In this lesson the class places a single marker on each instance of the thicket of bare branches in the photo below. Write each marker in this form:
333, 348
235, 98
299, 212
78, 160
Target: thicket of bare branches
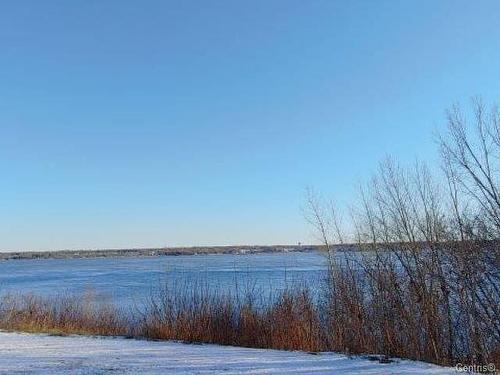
428, 285
288, 320
191, 313
62, 314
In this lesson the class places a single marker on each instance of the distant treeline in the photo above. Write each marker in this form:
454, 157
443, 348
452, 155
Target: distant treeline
70, 254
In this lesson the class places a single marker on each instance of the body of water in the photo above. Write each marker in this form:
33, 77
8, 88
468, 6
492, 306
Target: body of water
131, 280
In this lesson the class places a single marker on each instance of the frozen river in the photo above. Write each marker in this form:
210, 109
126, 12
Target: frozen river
128, 280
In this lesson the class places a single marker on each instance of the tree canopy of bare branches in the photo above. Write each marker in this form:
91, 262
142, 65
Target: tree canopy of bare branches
425, 284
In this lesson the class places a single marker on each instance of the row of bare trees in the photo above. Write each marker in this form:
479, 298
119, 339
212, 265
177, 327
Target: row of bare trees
427, 284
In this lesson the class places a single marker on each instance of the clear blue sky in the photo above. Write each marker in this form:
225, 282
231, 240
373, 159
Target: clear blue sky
153, 123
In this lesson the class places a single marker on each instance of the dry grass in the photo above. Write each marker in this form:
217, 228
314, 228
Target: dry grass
190, 314
287, 321
62, 314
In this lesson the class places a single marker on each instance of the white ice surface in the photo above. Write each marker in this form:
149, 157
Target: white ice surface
22, 353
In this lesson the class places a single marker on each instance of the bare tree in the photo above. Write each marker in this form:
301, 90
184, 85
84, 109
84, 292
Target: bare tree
471, 155
425, 283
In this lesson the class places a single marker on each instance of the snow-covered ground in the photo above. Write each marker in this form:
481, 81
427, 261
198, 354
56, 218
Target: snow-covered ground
22, 353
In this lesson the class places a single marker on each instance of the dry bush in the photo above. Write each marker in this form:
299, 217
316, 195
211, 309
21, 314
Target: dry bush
200, 314
61, 314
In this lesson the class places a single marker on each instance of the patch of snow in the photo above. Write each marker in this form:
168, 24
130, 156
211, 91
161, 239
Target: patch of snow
22, 353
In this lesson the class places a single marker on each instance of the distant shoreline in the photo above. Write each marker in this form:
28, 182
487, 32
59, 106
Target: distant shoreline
150, 252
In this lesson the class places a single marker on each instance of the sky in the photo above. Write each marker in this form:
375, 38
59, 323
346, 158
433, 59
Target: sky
181, 123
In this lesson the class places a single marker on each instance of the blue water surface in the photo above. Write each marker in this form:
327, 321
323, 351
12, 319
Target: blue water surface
131, 280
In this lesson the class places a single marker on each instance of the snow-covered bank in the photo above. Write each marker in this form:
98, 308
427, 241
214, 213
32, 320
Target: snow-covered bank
22, 353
